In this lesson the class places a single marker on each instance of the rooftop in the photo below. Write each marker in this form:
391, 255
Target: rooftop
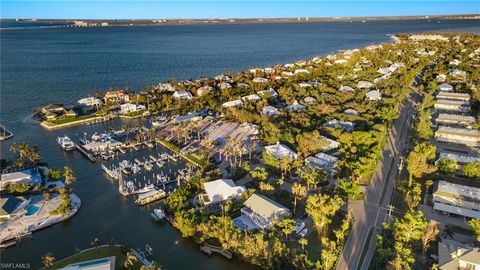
263, 206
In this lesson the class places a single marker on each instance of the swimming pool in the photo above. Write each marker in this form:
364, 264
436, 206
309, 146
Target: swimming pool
31, 210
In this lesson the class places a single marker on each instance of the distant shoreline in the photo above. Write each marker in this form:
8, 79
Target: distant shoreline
158, 22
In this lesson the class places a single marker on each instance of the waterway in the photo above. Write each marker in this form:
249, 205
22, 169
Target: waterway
61, 65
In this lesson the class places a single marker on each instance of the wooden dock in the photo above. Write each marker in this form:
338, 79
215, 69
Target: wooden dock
209, 249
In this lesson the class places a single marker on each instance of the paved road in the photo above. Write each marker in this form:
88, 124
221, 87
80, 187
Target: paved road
372, 211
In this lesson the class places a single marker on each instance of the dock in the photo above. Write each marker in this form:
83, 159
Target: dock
85, 152
142, 257
5, 134
209, 249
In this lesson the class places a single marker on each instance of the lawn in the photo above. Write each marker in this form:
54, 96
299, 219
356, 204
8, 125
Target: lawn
69, 119
92, 254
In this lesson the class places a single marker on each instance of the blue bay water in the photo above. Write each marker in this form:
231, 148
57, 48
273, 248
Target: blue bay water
61, 65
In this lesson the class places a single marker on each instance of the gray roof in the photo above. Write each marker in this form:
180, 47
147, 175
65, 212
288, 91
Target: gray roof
264, 206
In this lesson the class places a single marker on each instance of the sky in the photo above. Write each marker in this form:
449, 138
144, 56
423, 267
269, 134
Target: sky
163, 9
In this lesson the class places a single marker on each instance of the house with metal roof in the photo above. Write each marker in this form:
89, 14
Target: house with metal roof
233, 103
469, 137
452, 105
455, 120
364, 85
220, 190
453, 255
280, 151
453, 95
457, 199
323, 161
445, 87
262, 212
29, 177
460, 159
269, 111
179, 95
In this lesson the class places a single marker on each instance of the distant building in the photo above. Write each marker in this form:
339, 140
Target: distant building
130, 107
269, 111
458, 73
190, 117
55, 109
260, 80
323, 161
469, 137
234, 103
116, 96
295, 107
90, 102
263, 212
351, 112
182, 95
364, 85
346, 88
460, 159
301, 71
345, 125
204, 90
224, 85
374, 95
457, 199
453, 255
280, 151
453, 96
328, 144
165, 87
220, 190
252, 97
455, 120
269, 93
445, 87
452, 105
13, 206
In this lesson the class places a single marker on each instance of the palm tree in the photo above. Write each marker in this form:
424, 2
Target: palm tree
448, 232
69, 175
298, 191
303, 242
95, 242
130, 260
48, 259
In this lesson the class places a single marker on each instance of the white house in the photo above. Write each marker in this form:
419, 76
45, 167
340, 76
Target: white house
280, 151
301, 71
460, 159
346, 88
445, 87
269, 93
374, 95
441, 77
351, 112
288, 73
364, 85
259, 80
261, 212
130, 107
90, 102
328, 144
304, 85
221, 190
453, 255
457, 199
179, 95
29, 177
165, 87
295, 107
233, 103
341, 61
269, 111
224, 85
252, 97
204, 90
455, 119
458, 73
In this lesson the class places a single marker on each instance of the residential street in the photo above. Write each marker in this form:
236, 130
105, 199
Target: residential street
372, 211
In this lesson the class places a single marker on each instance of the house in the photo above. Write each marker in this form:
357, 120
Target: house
243, 85
345, 125
452, 105
70, 113
310, 100
305, 85
374, 95
455, 120
130, 108
288, 73
460, 159
469, 137
222, 77
280, 151
90, 102
441, 77
190, 117
165, 87
269, 111
445, 87
261, 212
220, 190
252, 97
458, 73
301, 71
341, 61
54, 109
204, 90
346, 88
453, 255
13, 206
224, 86
233, 103
29, 177
455, 62
453, 96
364, 85
328, 144
107, 263
351, 112
269, 70
181, 95
323, 161
295, 107
259, 80
457, 199
269, 93
116, 96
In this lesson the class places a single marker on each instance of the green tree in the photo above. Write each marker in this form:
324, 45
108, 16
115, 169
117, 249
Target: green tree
475, 224
349, 188
447, 166
259, 173
418, 160
424, 125
410, 228
472, 170
69, 175
298, 191
313, 176
322, 208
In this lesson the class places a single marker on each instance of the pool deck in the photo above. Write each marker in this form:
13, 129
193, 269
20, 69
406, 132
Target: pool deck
26, 224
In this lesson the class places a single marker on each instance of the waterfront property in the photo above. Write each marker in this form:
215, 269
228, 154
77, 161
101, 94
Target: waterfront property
107, 263
117, 96
13, 207
457, 199
220, 190
260, 212
28, 176
131, 108
180, 95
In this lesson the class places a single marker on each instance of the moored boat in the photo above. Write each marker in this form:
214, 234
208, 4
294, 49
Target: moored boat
150, 197
66, 143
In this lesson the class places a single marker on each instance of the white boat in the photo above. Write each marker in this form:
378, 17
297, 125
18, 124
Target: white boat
148, 166
151, 196
158, 214
66, 143
113, 173
145, 189
159, 121
139, 162
136, 169
149, 145
153, 158
160, 163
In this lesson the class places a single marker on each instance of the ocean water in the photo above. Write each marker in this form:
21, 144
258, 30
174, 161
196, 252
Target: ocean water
61, 65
